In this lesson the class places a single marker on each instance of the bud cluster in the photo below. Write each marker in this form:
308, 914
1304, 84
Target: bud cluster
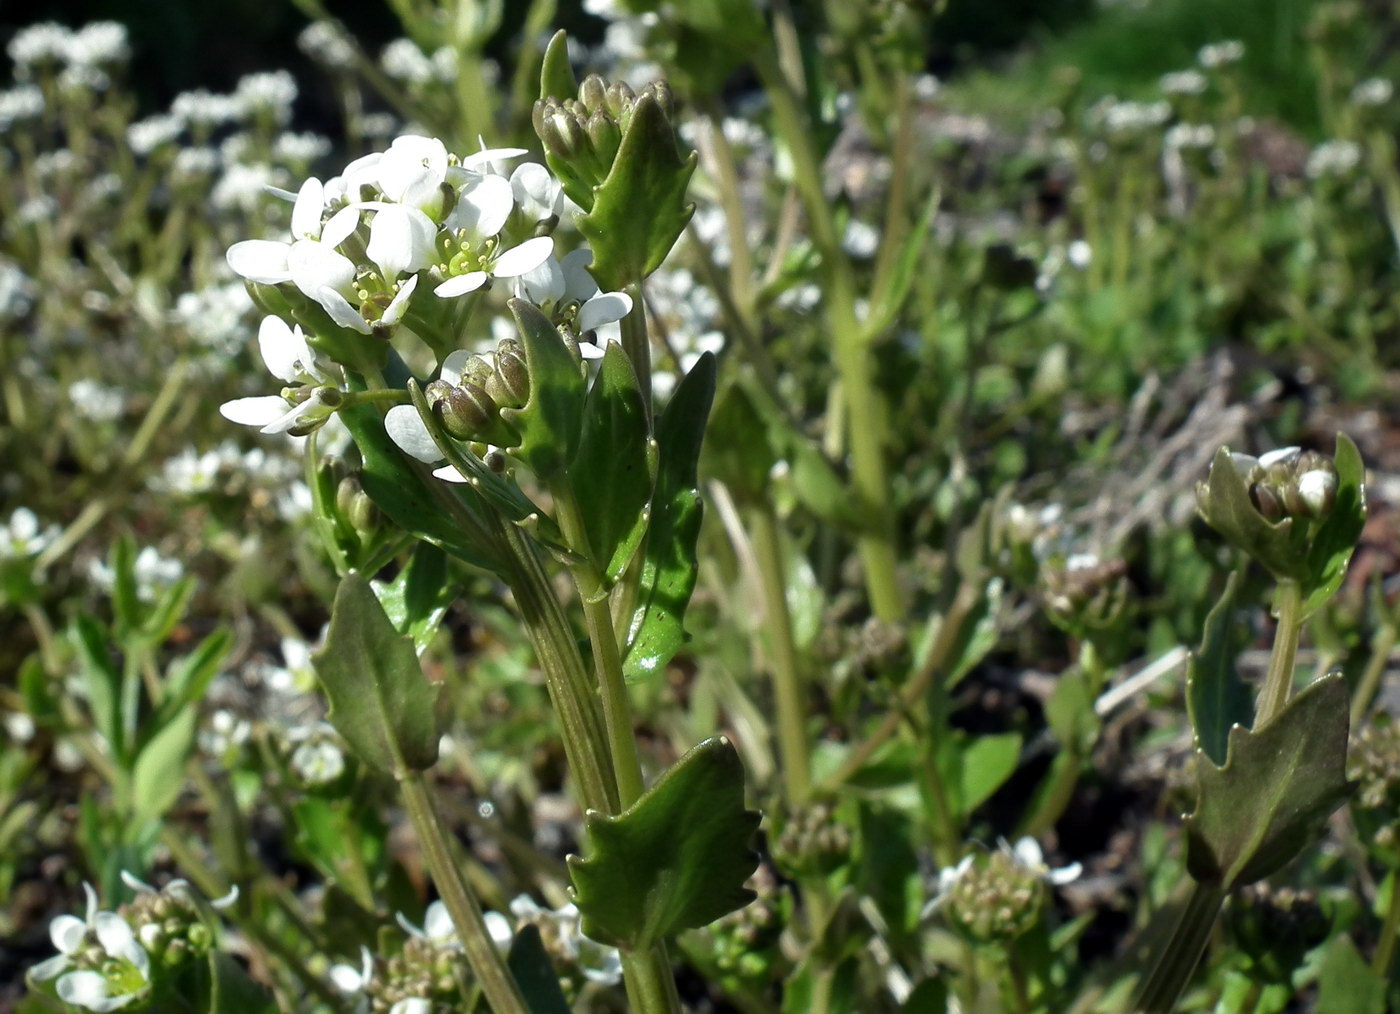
745, 940
994, 898
1085, 593
470, 408
1289, 483
169, 927
586, 132
1374, 761
422, 971
813, 841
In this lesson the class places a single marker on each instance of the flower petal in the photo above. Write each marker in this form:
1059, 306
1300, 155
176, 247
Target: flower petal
84, 989
67, 933
1065, 874
281, 351
401, 240
520, 259
603, 309
437, 923
227, 901
253, 411
315, 266
306, 213
461, 284
340, 225
405, 428
340, 310
449, 473
451, 370
488, 155
482, 208
260, 260
398, 306
578, 283
500, 929
412, 1005
119, 940
50, 968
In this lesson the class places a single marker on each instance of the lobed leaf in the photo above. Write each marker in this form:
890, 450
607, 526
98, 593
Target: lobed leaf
1216, 697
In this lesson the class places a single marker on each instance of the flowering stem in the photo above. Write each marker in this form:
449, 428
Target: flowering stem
1278, 682
1183, 951
787, 680
651, 988
852, 353
607, 659
487, 963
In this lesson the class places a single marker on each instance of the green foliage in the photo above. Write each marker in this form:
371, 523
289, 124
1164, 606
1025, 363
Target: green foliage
669, 563
1278, 786
1216, 697
675, 859
550, 423
615, 467
380, 701
639, 210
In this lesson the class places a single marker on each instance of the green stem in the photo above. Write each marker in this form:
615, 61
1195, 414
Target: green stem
788, 689
571, 692
651, 988
607, 659
865, 412
1365, 692
1183, 951
487, 963
635, 341
1278, 682
1385, 949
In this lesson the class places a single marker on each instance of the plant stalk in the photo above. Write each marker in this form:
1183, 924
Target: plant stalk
487, 963
1385, 948
1183, 951
1278, 681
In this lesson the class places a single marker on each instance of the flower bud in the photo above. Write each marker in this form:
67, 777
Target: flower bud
514, 374
592, 93
995, 899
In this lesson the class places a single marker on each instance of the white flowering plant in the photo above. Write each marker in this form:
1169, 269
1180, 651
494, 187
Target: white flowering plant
647, 525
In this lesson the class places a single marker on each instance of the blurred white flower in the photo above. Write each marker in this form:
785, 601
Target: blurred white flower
96, 402
1219, 54
437, 926
25, 102
1374, 91
317, 758
42, 44
327, 44
205, 110
23, 537
1333, 158
1182, 82
145, 136
98, 43
126, 969
152, 573
269, 92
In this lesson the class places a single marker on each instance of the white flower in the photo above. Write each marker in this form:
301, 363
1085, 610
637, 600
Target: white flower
349, 979
404, 60
126, 975
1374, 91
272, 92
406, 429
437, 926
23, 537
1317, 487
1183, 82
1219, 54
598, 962
538, 195
43, 43
97, 43
179, 887
25, 102
205, 109
317, 758
555, 283
412, 1005
1028, 855
289, 358
327, 44
145, 136
1333, 158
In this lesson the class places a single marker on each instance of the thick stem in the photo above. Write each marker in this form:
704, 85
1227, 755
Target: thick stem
487, 963
788, 690
607, 659
1278, 682
1183, 952
651, 988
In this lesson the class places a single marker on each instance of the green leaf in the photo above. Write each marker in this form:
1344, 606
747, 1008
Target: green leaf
1346, 984
1216, 697
168, 610
557, 79
615, 466
639, 210
1277, 788
1070, 711
418, 597
987, 762
668, 575
400, 489
231, 991
380, 701
737, 452
675, 859
191, 675
158, 775
126, 604
1335, 538
533, 971
551, 420
101, 679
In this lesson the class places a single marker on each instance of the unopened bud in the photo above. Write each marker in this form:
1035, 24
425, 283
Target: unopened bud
606, 137
468, 411
1267, 502
592, 93
514, 374
619, 98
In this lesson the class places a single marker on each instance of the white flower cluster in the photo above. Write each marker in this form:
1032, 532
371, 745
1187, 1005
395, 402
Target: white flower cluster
1220, 54
153, 573
24, 537
84, 56
1333, 158
363, 241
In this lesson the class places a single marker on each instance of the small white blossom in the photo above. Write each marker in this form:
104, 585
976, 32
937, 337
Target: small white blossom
316, 757
325, 43
1219, 54
437, 926
403, 60
1374, 91
145, 136
25, 102
270, 92
206, 110
1333, 158
1182, 82
42, 44
152, 573
98, 43
23, 536
96, 402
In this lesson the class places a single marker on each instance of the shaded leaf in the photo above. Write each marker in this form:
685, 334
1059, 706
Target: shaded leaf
232, 991
987, 762
1346, 984
380, 701
1216, 697
615, 465
676, 859
668, 575
101, 680
533, 971
191, 675
551, 420
639, 209
418, 597
1278, 786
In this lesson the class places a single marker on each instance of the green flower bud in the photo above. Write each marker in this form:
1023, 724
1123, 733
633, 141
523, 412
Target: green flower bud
513, 373
995, 899
592, 94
